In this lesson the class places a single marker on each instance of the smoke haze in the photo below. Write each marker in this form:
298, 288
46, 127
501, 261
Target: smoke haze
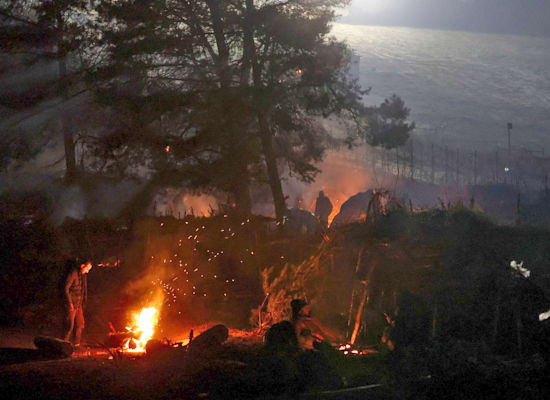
496, 16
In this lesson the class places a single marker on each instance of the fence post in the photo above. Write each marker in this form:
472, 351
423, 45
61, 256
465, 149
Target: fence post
475, 167
457, 166
496, 166
397, 159
446, 163
433, 166
518, 218
412, 160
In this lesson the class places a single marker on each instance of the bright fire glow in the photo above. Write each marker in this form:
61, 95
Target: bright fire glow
143, 328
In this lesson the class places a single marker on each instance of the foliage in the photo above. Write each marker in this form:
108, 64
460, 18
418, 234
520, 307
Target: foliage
28, 269
45, 43
236, 90
211, 95
281, 286
439, 275
387, 123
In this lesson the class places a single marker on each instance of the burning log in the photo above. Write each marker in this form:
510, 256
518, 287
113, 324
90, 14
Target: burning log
120, 339
137, 335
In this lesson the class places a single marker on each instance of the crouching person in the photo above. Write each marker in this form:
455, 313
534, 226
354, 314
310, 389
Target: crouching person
318, 362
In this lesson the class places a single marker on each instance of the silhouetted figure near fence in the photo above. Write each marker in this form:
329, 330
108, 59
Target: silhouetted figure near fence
323, 208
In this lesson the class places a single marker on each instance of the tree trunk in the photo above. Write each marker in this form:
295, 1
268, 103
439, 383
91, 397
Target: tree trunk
364, 299
350, 313
68, 140
359, 314
272, 171
70, 156
241, 193
432, 176
222, 62
354, 292
412, 159
241, 181
263, 123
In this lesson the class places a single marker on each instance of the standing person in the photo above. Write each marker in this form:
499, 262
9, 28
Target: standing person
75, 297
323, 208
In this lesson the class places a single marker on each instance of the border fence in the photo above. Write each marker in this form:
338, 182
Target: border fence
445, 165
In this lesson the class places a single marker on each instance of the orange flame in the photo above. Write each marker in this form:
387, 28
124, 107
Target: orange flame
143, 328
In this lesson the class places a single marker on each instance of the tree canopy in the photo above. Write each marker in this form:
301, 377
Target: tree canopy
211, 95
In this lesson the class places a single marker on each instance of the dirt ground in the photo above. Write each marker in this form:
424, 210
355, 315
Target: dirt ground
238, 369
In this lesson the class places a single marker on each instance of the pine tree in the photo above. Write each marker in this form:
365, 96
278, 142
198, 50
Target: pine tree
221, 95
47, 33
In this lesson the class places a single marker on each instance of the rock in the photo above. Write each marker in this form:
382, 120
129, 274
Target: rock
209, 340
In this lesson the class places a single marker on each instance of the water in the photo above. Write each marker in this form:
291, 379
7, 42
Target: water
462, 87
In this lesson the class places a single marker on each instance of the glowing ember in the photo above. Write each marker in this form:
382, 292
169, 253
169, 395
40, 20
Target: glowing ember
143, 328
348, 349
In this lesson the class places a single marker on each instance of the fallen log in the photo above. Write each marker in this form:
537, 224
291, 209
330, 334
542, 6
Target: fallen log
53, 347
207, 343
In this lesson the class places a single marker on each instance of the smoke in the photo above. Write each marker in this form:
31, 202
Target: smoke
99, 200
343, 174
179, 203
22, 78
69, 204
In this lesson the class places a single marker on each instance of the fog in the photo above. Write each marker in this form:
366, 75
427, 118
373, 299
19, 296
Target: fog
496, 16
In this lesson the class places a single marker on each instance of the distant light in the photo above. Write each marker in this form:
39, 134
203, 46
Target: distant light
506, 169
299, 71
167, 149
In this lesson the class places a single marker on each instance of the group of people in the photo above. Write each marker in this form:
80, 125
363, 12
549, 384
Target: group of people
304, 330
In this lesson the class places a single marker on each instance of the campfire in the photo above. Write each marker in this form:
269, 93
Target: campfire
141, 331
